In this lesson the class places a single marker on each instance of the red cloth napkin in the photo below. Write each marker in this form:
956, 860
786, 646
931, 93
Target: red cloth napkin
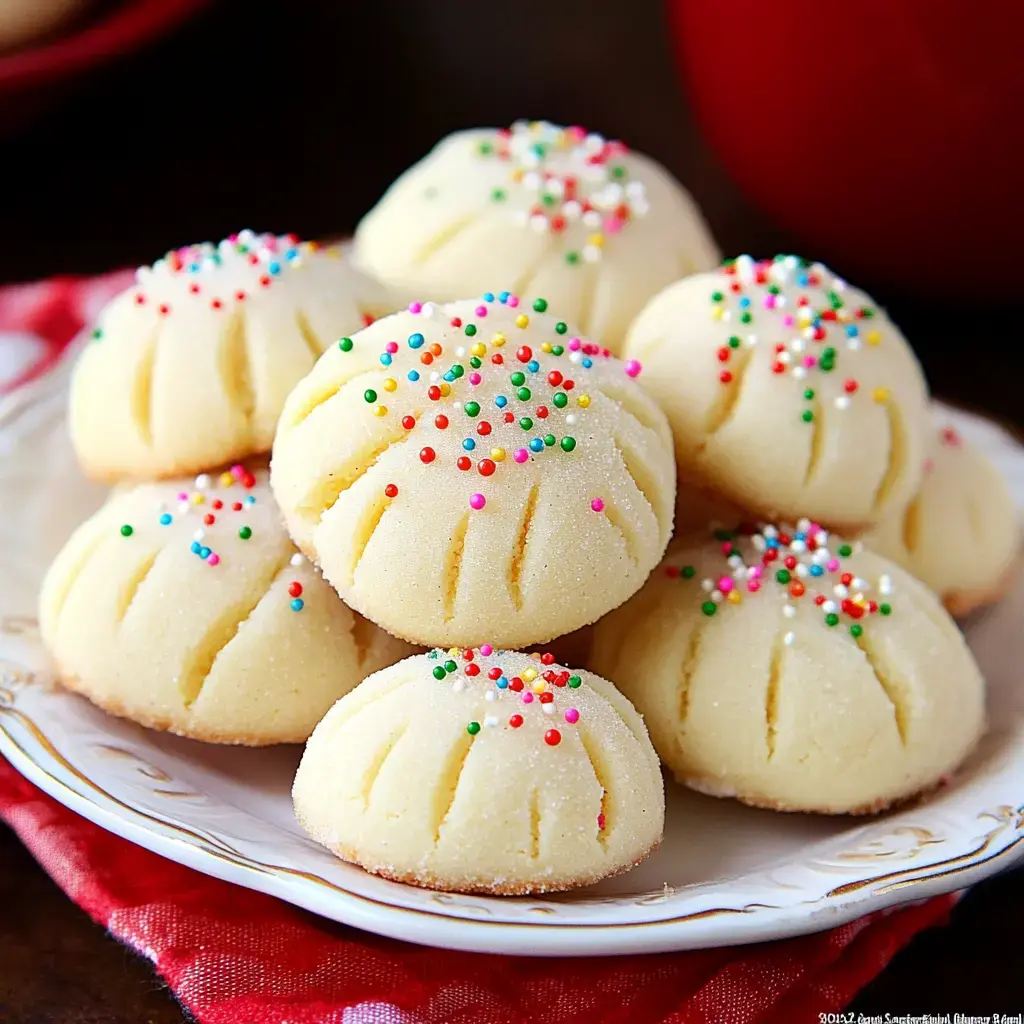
236, 957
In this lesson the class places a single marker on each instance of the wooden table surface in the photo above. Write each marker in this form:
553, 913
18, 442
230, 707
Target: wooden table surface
250, 120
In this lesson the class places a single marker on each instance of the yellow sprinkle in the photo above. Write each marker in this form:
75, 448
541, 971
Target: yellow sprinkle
545, 347
873, 337
539, 687
522, 320
717, 313
583, 401
498, 340
380, 410
446, 388
478, 349
453, 652
198, 499
226, 479
535, 655
517, 175
880, 394
390, 383
498, 454
597, 240
312, 246
734, 597
529, 674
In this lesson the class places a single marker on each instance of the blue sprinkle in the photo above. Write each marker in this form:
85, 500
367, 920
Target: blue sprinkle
852, 331
816, 570
488, 296
291, 254
298, 604
587, 363
771, 542
449, 376
501, 401
802, 280
385, 358
413, 375
249, 499
533, 366
537, 444
501, 683
503, 296
165, 519
195, 547
204, 552
416, 340
469, 444
274, 267
799, 536
744, 302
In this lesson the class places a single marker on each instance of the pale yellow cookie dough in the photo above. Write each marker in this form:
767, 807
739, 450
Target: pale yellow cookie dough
190, 367
789, 392
483, 771
542, 210
519, 487
959, 533
218, 630
753, 689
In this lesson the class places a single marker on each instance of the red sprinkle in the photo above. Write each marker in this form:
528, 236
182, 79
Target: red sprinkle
515, 721
391, 491
483, 429
494, 673
472, 670
295, 589
524, 354
486, 467
427, 455
441, 421
464, 462
552, 737
408, 422
547, 697
515, 683
547, 658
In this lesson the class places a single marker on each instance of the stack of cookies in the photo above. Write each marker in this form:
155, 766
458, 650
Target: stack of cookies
479, 476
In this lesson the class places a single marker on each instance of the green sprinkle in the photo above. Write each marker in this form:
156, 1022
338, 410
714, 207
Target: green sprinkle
834, 301
524, 394
472, 408
549, 439
856, 630
724, 535
560, 328
450, 666
126, 530
734, 342
458, 370
618, 171
473, 728
807, 416
548, 200
572, 258
97, 334
498, 195
526, 423
745, 318
438, 671
568, 443
560, 399
540, 305
345, 344
867, 312
518, 378
245, 532
470, 330
574, 682
688, 572
709, 608
885, 609
433, 654
557, 350
475, 362
370, 395
831, 619
782, 576
809, 394
485, 149
845, 550
773, 289
717, 296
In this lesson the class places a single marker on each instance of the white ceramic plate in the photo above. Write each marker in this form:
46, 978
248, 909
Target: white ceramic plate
725, 874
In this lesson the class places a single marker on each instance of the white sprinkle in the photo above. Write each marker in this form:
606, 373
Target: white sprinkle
489, 696
853, 344
758, 542
428, 309
843, 402
183, 507
841, 591
571, 419
859, 584
591, 253
799, 372
829, 607
770, 531
789, 611
798, 547
199, 534
789, 638
457, 405
802, 571
548, 709
592, 219
491, 721
572, 209
884, 584
750, 341
575, 357
803, 524
798, 345
202, 481
435, 377
460, 351
717, 596
297, 559
707, 585
459, 685
736, 561
539, 223
521, 217
532, 181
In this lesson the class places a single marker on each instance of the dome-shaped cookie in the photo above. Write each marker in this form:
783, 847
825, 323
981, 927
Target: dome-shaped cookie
476, 471
795, 671
183, 605
190, 367
567, 214
959, 533
789, 393
483, 771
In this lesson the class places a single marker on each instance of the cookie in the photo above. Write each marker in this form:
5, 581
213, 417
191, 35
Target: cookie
183, 605
483, 771
190, 367
474, 471
564, 213
788, 391
795, 671
959, 533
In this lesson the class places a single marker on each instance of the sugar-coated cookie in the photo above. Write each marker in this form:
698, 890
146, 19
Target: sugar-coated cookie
789, 393
183, 605
959, 534
483, 771
795, 671
561, 212
475, 471
190, 367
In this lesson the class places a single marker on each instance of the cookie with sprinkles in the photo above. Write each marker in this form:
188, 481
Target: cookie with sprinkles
793, 670
190, 366
480, 770
959, 533
583, 220
789, 392
476, 470
183, 605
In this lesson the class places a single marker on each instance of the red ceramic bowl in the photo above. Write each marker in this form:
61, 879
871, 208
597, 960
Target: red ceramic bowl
883, 134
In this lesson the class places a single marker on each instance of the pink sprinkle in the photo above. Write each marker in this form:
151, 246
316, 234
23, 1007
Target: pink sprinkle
600, 823
597, 505
521, 455
486, 650
808, 361
182, 496
572, 716
415, 307
727, 548
477, 501
769, 302
757, 571
481, 311
788, 321
753, 585
527, 697
475, 378
214, 558
725, 584
238, 471
832, 564
613, 225
513, 301
929, 465
575, 345
633, 368
392, 347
